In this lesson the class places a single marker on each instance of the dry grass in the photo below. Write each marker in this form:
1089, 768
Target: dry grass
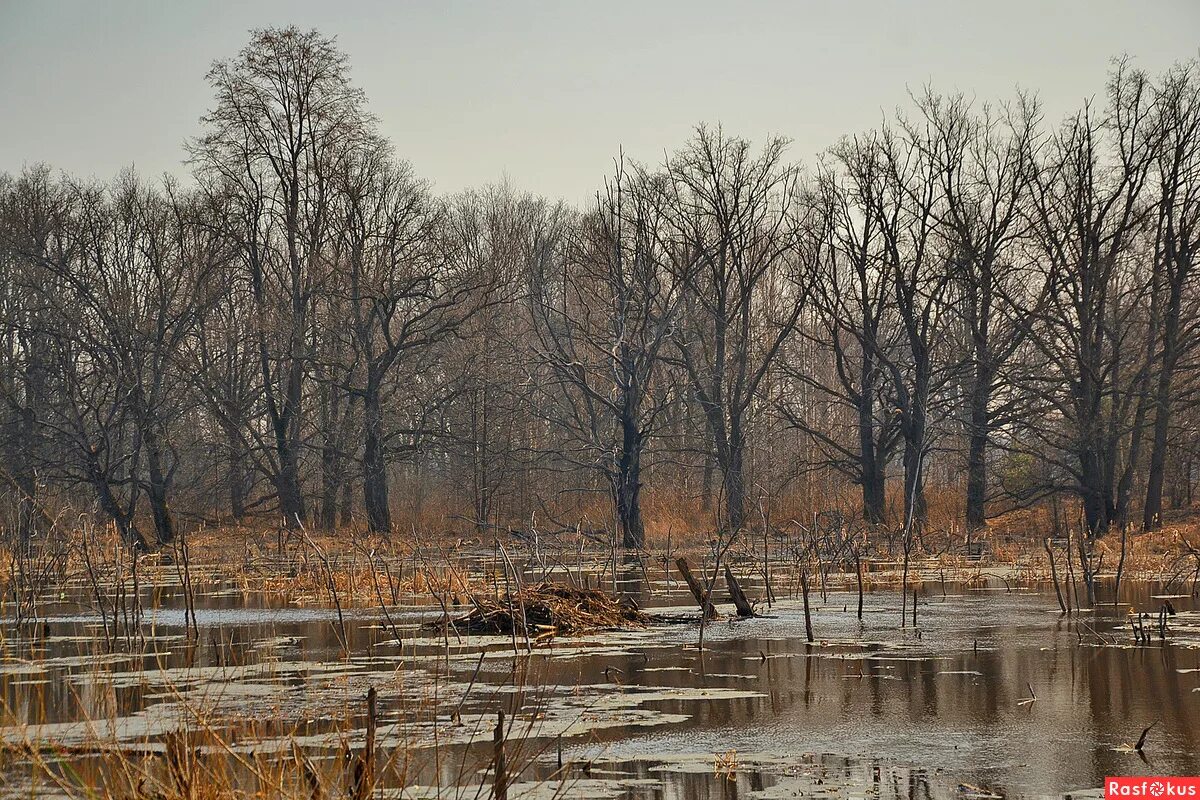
209, 756
446, 565
357, 582
1157, 554
449, 561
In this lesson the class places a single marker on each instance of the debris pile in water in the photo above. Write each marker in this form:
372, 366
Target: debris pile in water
547, 610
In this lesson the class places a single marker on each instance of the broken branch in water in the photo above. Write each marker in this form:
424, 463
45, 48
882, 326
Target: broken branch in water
744, 609
1141, 742
702, 599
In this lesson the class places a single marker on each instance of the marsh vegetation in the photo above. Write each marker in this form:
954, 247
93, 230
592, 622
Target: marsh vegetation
305, 671
865, 478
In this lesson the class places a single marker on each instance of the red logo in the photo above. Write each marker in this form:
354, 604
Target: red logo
1153, 788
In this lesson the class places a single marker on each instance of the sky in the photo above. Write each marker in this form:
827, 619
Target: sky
545, 95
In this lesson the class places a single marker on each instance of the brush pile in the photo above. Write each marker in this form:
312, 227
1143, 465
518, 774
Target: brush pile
547, 610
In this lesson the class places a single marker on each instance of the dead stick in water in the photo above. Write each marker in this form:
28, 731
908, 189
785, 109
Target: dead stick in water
744, 609
457, 715
807, 613
343, 635
315, 790
858, 569
706, 606
1120, 568
1141, 742
379, 595
1054, 574
500, 786
365, 778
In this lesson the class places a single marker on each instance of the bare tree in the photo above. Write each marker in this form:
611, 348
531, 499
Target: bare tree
117, 306
602, 317
285, 120
495, 429
1176, 242
730, 232
849, 327
1088, 212
35, 230
983, 163
223, 367
413, 281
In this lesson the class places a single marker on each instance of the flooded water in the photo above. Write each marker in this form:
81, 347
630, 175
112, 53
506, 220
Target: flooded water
994, 692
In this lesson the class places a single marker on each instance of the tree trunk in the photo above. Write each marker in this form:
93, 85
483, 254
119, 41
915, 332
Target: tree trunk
1152, 511
744, 608
123, 519
156, 492
31, 518
285, 419
706, 481
237, 476
27, 516
873, 486
697, 589
239, 485
287, 479
331, 481
347, 502
1095, 508
375, 484
915, 510
24, 478
291, 498
977, 451
481, 488
734, 483
873, 495
287, 487
628, 486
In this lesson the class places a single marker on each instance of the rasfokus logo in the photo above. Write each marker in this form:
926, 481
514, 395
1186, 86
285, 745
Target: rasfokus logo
1152, 787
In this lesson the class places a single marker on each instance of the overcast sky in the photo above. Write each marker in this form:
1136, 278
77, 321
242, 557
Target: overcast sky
547, 93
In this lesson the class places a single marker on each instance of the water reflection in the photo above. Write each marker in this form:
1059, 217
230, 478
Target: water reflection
993, 689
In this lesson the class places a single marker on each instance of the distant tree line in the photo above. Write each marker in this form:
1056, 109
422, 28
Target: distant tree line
967, 299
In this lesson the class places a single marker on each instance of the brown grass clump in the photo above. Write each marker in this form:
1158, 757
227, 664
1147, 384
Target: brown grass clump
450, 579
1175, 548
549, 609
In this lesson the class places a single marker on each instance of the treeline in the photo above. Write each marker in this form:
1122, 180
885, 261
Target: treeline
968, 297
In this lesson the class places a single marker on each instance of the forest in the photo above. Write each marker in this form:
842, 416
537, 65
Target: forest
968, 309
